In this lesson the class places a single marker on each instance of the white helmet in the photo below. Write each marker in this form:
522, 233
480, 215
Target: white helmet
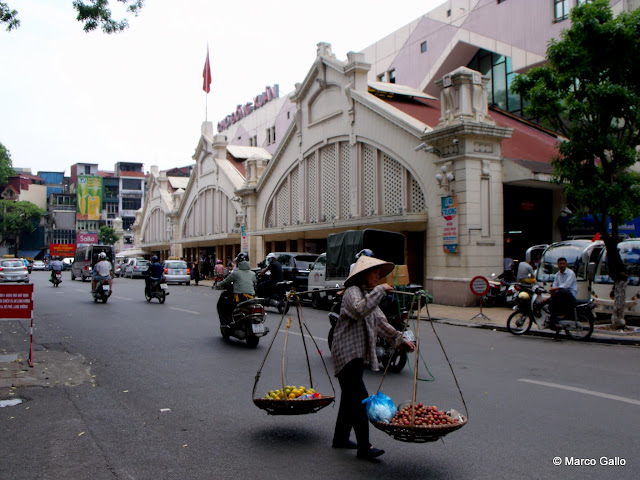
271, 257
102, 255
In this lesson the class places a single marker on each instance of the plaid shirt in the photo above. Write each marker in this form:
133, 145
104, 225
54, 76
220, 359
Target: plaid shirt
360, 321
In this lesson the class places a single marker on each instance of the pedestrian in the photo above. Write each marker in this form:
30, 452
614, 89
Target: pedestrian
354, 344
196, 272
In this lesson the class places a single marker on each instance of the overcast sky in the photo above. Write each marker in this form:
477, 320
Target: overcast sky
69, 97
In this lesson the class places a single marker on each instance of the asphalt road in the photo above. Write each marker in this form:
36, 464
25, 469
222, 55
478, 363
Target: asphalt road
166, 397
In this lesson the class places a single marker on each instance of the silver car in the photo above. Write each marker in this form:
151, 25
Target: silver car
177, 271
13, 270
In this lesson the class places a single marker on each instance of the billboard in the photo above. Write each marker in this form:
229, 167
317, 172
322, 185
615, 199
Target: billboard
83, 237
62, 249
89, 198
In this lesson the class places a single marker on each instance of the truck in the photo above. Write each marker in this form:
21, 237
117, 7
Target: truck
331, 269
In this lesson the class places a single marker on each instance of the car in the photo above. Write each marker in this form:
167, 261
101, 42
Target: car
295, 267
38, 265
67, 263
177, 271
136, 268
13, 270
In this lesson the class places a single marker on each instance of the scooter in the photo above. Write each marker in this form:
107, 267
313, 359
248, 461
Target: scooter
531, 309
102, 291
247, 319
385, 352
57, 278
155, 290
277, 298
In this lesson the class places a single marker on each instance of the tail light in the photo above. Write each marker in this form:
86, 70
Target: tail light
256, 309
188, 271
166, 270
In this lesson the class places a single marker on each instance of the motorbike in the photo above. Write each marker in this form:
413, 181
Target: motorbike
277, 298
498, 294
247, 320
102, 291
159, 291
530, 309
57, 278
385, 352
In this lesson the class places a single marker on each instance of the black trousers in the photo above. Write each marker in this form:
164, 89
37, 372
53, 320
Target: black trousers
352, 413
561, 303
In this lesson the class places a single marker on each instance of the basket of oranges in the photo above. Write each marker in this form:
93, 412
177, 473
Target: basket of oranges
292, 400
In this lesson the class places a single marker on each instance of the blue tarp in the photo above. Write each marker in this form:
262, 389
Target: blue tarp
28, 253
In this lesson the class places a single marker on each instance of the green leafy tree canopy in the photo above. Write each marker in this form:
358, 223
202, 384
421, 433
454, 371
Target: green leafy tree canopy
18, 218
6, 166
589, 92
107, 235
92, 13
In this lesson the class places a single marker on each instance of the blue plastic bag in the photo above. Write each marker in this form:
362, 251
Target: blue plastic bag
380, 408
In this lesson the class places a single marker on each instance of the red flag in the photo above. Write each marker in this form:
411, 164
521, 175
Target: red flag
206, 74
596, 237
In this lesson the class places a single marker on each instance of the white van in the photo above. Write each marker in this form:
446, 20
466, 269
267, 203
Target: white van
86, 257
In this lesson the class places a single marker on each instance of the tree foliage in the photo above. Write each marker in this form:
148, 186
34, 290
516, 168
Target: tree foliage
6, 166
92, 13
18, 218
589, 91
107, 235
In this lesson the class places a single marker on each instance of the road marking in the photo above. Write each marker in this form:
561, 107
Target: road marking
582, 390
183, 310
298, 333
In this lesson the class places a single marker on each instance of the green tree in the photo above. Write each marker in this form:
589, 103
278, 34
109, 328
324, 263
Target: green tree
93, 14
6, 166
16, 219
589, 91
107, 235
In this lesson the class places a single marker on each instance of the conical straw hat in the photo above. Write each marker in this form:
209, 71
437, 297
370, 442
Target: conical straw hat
365, 263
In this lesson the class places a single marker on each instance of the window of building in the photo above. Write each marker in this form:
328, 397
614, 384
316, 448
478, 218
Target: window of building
381, 77
273, 134
500, 1
392, 76
423, 47
288, 115
87, 170
560, 10
448, 13
131, 184
582, 2
255, 140
131, 203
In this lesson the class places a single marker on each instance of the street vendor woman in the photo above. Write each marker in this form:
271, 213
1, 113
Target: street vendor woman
354, 343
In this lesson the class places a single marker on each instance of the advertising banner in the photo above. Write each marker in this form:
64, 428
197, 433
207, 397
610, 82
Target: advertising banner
16, 301
450, 223
244, 245
89, 198
83, 237
62, 249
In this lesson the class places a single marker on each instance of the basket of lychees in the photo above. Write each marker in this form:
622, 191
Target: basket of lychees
418, 423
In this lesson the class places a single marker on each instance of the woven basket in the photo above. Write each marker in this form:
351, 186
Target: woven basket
294, 406
419, 433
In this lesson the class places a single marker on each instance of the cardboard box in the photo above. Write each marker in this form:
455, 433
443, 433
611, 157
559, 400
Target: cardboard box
399, 276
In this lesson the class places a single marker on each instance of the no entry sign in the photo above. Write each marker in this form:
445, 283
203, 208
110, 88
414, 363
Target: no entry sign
479, 286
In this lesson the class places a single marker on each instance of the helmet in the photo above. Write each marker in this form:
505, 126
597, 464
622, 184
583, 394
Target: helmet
102, 255
523, 297
271, 257
364, 251
154, 259
242, 257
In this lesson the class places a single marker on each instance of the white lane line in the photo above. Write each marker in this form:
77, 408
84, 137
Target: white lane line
306, 335
183, 310
582, 390
122, 298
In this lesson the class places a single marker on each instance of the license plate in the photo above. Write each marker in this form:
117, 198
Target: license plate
258, 328
105, 288
163, 286
409, 336
12, 278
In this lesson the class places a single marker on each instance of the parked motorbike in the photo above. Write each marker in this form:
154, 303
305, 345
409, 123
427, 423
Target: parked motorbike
159, 291
498, 292
246, 322
277, 298
57, 278
531, 309
385, 352
102, 291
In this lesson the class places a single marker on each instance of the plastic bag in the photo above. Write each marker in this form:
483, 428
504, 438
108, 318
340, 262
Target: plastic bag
380, 408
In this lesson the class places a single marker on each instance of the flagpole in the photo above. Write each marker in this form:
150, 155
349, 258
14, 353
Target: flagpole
206, 85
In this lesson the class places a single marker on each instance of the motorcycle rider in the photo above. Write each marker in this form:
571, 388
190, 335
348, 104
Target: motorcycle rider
267, 283
364, 251
56, 266
153, 275
244, 288
563, 292
102, 271
525, 273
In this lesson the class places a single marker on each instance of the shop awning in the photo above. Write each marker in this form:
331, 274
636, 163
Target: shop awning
28, 253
